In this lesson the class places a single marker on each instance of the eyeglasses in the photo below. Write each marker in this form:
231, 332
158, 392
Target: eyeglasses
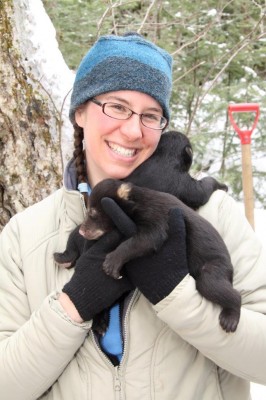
119, 111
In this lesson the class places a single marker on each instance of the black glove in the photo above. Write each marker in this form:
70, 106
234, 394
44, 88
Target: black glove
158, 274
90, 289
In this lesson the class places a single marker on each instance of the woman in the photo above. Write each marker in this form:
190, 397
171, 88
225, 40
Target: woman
164, 340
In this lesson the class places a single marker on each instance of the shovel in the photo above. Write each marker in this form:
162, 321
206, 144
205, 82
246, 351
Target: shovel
245, 137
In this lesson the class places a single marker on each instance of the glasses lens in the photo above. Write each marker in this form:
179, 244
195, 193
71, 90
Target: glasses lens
118, 111
153, 121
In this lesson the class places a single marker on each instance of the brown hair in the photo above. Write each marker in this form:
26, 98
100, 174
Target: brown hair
79, 157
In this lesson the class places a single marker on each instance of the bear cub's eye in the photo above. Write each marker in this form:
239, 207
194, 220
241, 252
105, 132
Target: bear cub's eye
92, 212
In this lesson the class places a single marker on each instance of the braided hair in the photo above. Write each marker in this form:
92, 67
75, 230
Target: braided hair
79, 157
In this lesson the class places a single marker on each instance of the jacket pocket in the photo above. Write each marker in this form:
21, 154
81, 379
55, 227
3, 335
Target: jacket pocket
180, 372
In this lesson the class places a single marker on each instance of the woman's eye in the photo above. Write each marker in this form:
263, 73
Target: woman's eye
118, 108
151, 117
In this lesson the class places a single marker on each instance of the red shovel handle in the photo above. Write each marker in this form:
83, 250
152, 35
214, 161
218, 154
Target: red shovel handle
245, 135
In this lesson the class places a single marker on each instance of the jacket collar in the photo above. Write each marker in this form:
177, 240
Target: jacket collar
75, 205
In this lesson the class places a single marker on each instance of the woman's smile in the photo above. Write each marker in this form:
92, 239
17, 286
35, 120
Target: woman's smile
121, 150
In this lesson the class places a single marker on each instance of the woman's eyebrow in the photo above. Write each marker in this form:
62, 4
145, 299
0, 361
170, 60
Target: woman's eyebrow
117, 98
121, 100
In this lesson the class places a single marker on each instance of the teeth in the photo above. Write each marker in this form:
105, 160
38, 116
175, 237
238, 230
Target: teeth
122, 150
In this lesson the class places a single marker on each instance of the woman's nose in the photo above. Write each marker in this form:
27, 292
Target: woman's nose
132, 127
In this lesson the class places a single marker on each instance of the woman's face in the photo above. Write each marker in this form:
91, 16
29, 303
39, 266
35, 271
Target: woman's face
114, 148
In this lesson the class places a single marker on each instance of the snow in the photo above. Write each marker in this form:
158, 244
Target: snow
37, 37
212, 13
250, 71
258, 392
44, 61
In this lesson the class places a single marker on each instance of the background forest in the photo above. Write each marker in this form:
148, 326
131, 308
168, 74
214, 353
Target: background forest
219, 57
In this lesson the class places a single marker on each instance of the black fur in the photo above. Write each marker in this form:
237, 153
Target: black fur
76, 245
208, 258
167, 171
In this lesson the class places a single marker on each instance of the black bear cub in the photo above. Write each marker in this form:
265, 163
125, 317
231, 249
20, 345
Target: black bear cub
208, 258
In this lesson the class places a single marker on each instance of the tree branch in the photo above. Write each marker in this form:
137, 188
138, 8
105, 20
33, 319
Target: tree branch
109, 9
113, 17
202, 33
146, 15
190, 70
239, 47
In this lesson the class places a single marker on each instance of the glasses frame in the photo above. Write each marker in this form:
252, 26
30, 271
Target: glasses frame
102, 105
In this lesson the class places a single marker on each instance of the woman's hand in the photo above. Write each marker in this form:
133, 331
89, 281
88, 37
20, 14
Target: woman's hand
90, 290
158, 274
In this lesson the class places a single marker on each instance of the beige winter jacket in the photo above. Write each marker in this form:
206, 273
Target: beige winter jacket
173, 351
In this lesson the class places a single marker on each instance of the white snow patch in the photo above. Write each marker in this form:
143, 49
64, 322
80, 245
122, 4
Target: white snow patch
250, 71
43, 60
212, 12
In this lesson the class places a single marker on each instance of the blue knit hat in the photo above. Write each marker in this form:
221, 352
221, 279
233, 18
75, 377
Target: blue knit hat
127, 62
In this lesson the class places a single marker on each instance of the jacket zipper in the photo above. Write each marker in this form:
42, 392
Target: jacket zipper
125, 326
117, 385
117, 380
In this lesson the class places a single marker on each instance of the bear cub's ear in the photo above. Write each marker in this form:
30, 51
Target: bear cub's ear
124, 191
125, 196
187, 157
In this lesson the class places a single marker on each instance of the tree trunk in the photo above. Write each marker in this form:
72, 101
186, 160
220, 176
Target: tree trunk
30, 123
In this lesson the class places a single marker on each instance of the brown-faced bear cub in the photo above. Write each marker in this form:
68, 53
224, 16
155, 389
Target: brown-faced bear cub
208, 259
